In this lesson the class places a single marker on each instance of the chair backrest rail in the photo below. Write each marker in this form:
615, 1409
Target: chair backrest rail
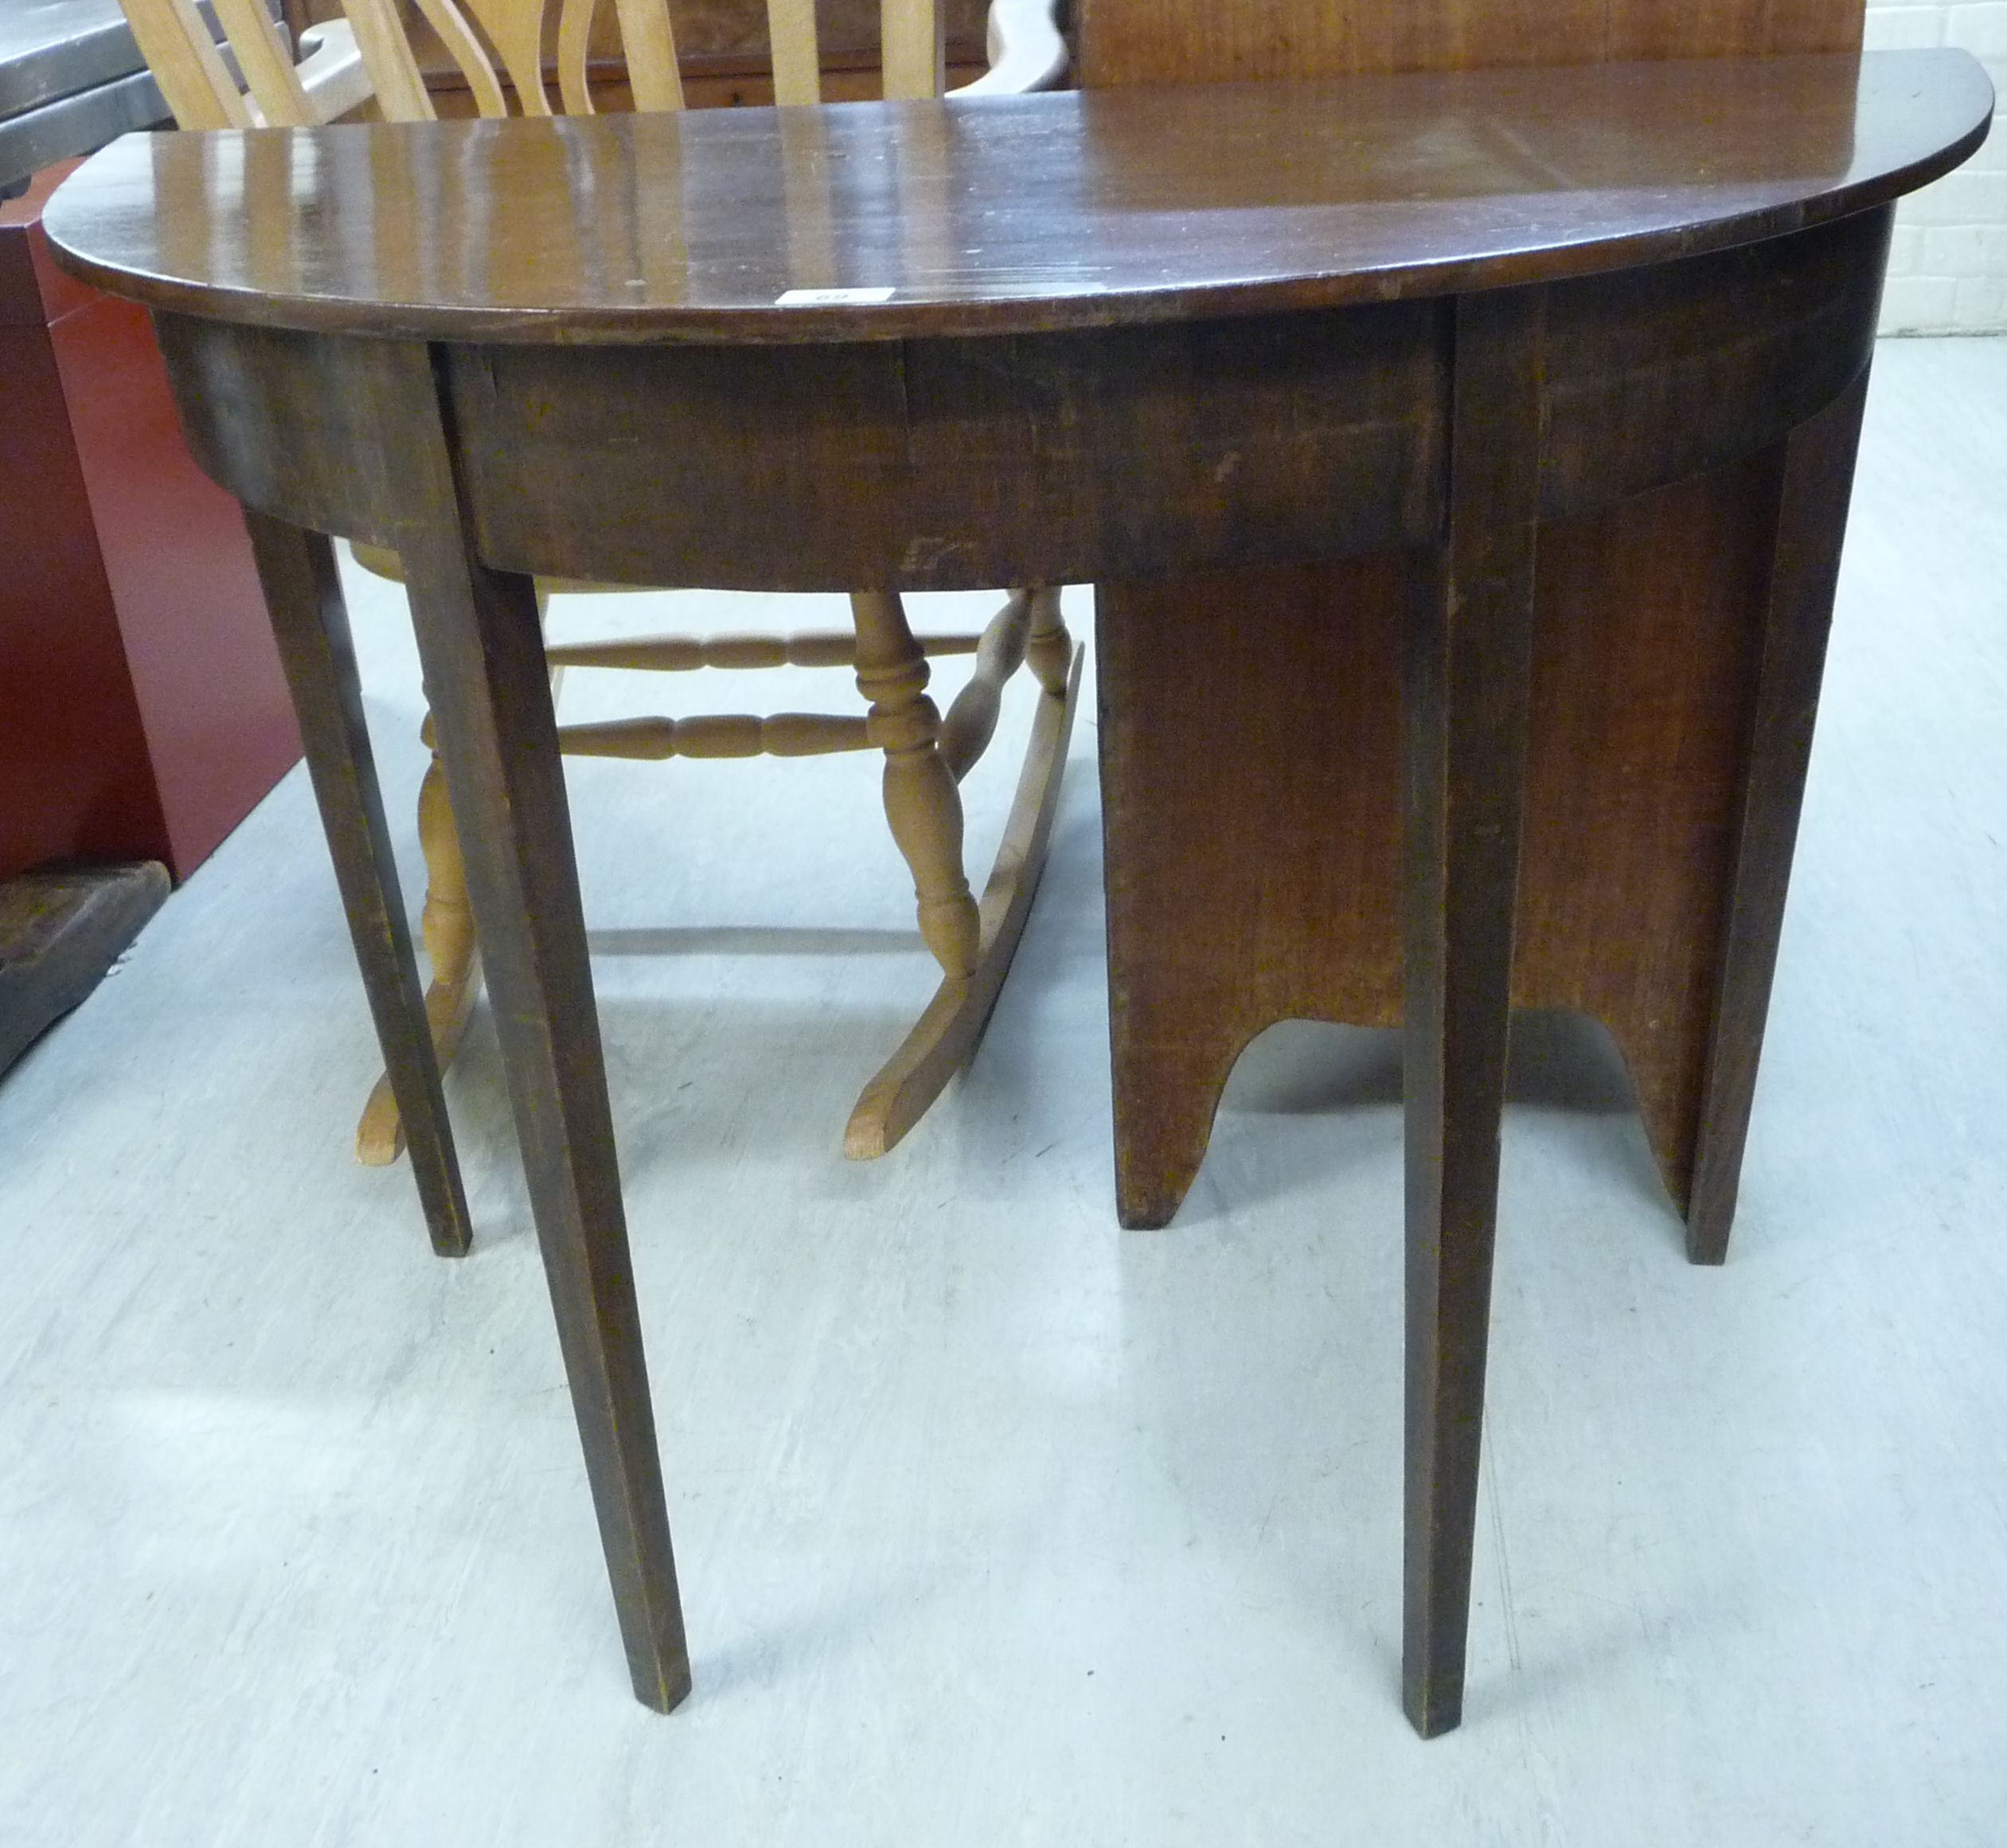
394, 74
798, 56
264, 59
913, 51
370, 53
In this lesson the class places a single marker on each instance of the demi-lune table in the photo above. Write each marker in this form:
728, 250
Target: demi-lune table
1425, 321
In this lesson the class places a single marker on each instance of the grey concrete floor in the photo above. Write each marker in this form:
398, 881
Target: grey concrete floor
997, 1525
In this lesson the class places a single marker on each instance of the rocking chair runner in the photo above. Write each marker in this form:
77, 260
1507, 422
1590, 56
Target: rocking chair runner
926, 755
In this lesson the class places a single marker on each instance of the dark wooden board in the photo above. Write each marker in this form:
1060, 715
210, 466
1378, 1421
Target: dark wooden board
1031, 213
60, 929
1641, 707
1201, 41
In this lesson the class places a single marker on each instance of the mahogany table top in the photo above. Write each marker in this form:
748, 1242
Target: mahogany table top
1065, 210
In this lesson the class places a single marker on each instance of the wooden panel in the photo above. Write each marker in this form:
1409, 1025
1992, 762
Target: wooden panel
1641, 706
1644, 656
1271, 693
294, 458
957, 464
1798, 613
1197, 41
60, 931
940, 464
1663, 372
1648, 611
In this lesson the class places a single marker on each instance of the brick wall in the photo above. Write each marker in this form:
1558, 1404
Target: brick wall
1947, 272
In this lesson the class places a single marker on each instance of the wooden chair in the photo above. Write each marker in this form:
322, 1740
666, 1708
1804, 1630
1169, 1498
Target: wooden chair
926, 754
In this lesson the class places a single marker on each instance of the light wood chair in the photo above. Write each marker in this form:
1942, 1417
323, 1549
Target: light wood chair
926, 754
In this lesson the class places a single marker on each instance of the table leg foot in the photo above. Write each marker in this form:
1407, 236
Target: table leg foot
1164, 1108
1250, 752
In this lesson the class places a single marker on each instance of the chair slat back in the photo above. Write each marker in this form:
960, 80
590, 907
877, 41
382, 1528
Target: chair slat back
197, 84
266, 61
913, 37
653, 74
394, 76
797, 57
913, 48
199, 88
186, 64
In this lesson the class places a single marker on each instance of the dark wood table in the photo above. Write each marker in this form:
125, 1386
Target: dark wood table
1419, 321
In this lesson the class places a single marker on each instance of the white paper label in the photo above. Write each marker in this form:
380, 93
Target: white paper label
831, 297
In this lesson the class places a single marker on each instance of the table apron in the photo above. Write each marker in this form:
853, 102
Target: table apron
1112, 454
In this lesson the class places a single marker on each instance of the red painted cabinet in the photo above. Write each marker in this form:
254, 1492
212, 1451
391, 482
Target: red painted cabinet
142, 711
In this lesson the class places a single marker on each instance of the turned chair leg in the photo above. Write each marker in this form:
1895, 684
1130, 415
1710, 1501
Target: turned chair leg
922, 803
446, 922
924, 759
1049, 651
447, 926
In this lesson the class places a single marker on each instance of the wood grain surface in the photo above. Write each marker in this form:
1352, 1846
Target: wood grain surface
1198, 41
1673, 643
1648, 628
1797, 604
1047, 212
60, 930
